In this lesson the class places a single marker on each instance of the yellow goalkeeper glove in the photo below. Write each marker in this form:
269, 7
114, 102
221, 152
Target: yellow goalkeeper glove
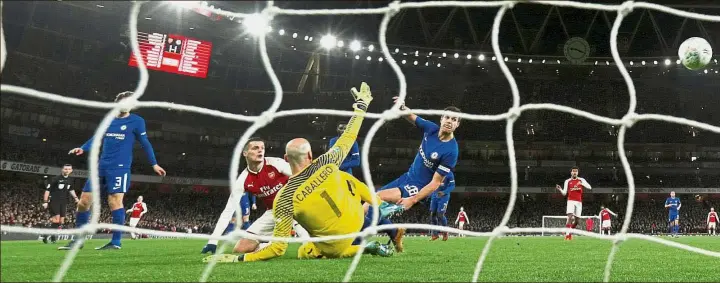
362, 98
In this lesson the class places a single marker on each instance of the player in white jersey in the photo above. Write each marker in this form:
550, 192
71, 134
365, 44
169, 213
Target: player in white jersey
137, 211
604, 215
573, 188
263, 177
712, 221
461, 219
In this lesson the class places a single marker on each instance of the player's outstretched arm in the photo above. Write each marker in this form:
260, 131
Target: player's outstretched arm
141, 134
337, 153
426, 191
353, 159
73, 194
564, 188
409, 117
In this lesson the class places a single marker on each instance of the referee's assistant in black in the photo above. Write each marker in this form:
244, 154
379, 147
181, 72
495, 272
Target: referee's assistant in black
55, 199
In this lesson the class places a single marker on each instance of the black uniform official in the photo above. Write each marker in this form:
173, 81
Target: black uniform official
59, 188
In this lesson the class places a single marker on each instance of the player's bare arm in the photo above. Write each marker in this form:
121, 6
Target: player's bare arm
409, 117
428, 189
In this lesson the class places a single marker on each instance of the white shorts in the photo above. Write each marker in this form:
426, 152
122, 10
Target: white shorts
574, 207
606, 224
265, 224
134, 221
461, 224
711, 225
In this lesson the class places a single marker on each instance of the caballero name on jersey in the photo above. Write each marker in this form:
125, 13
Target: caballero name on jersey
307, 190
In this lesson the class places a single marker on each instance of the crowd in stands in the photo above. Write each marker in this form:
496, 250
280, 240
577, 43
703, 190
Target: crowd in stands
184, 212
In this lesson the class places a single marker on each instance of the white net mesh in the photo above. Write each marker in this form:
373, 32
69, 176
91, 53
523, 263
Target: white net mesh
388, 12
556, 221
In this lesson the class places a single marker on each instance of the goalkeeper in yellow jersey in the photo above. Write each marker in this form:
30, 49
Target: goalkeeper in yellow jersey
321, 198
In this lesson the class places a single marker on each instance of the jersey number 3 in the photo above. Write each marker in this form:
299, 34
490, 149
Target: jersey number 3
332, 204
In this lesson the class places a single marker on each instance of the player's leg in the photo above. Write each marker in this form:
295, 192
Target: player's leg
263, 226
231, 226
442, 219
570, 209
116, 183
133, 223
390, 193
82, 214
461, 226
433, 218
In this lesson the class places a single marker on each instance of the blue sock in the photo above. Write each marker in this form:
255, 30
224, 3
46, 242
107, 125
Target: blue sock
229, 228
433, 221
366, 223
443, 220
382, 221
118, 217
245, 225
82, 218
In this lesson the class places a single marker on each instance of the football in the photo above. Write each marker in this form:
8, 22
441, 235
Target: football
695, 53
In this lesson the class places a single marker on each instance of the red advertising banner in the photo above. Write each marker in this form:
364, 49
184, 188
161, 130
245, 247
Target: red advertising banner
174, 53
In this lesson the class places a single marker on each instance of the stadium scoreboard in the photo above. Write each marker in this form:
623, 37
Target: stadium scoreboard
174, 53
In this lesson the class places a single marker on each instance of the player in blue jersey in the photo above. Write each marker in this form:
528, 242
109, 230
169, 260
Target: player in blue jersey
673, 205
114, 169
353, 158
436, 158
438, 206
247, 201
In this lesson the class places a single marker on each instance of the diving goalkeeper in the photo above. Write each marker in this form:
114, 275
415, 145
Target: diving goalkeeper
321, 198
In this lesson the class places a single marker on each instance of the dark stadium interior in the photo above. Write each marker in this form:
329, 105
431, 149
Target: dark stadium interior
81, 50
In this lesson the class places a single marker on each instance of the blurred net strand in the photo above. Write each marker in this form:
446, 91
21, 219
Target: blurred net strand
260, 121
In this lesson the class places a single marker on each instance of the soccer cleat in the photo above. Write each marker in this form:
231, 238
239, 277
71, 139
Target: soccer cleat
389, 210
434, 237
376, 248
45, 239
69, 246
223, 258
108, 246
398, 240
209, 248
445, 236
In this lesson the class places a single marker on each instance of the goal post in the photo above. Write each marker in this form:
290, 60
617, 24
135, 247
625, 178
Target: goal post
558, 221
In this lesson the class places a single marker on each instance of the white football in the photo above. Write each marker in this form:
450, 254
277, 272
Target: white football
695, 53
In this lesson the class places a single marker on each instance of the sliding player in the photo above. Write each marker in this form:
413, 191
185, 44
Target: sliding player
605, 225
712, 221
55, 199
263, 177
436, 158
321, 197
353, 158
573, 188
138, 210
438, 206
673, 205
114, 168
461, 219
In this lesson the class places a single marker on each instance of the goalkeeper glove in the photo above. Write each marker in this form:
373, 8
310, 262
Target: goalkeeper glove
209, 248
362, 98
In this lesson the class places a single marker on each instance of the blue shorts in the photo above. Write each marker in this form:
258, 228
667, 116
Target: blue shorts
439, 204
408, 187
245, 205
113, 181
673, 216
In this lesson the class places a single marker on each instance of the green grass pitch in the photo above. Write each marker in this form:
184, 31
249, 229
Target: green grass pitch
518, 259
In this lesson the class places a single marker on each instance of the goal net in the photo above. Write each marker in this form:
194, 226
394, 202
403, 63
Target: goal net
558, 221
387, 13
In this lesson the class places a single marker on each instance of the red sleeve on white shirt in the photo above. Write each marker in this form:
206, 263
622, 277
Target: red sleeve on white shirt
280, 164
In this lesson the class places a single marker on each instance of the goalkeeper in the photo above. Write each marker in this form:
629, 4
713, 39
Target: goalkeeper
322, 198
